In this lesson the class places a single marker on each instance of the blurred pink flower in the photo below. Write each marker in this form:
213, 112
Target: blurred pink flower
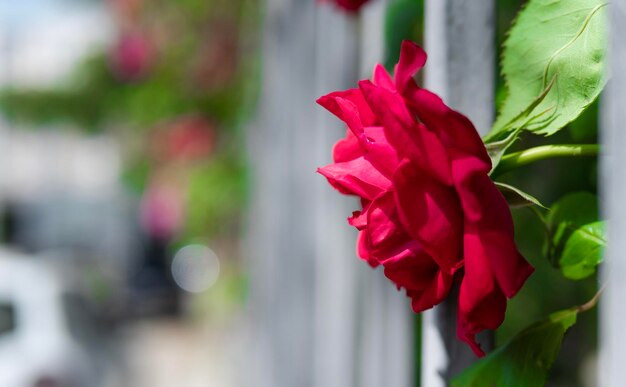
132, 57
162, 210
187, 138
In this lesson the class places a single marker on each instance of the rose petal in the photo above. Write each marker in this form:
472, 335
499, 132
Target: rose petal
481, 302
351, 116
493, 237
379, 151
329, 102
383, 224
424, 282
387, 238
348, 148
478, 311
453, 128
411, 139
356, 177
471, 182
363, 249
382, 78
372, 140
358, 220
412, 59
430, 213
436, 291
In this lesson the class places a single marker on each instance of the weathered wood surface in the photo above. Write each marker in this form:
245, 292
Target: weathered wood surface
318, 316
612, 359
460, 41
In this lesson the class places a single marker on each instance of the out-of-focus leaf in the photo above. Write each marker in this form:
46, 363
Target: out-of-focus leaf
523, 361
516, 197
568, 214
563, 41
402, 21
583, 251
215, 195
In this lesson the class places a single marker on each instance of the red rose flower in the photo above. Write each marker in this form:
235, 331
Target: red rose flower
351, 6
431, 216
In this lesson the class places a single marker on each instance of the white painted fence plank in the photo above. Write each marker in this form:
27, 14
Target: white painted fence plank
336, 278
318, 315
386, 333
460, 41
460, 38
281, 248
612, 359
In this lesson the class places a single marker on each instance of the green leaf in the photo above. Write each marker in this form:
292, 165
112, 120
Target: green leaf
567, 215
583, 251
497, 149
560, 41
516, 197
526, 359
524, 119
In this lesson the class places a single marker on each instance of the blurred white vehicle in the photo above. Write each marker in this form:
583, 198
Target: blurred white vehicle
45, 328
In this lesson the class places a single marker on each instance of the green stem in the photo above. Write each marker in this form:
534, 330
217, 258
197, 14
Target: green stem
528, 156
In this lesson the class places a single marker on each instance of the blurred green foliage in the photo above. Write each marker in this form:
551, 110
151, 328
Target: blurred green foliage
403, 21
203, 63
215, 195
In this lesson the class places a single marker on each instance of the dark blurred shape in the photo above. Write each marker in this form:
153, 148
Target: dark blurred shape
153, 290
7, 223
7, 318
48, 381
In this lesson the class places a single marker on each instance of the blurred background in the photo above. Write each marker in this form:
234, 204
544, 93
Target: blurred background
122, 186
160, 220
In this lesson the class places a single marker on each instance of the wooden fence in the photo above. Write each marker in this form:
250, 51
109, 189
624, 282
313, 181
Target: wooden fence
319, 316
611, 363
